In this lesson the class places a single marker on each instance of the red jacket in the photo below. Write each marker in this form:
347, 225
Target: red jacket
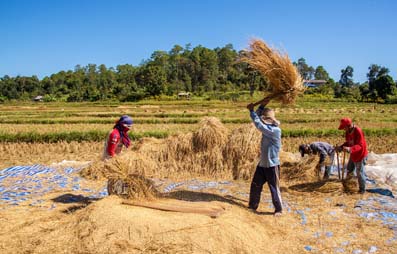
356, 141
113, 144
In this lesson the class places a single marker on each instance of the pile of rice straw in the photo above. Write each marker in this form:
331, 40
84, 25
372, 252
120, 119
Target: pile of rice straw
329, 186
212, 134
133, 186
122, 165
242, 151
350, 185
277, 69
211, 151
303, 170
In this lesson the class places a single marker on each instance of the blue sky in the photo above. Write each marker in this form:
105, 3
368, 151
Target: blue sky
43, 37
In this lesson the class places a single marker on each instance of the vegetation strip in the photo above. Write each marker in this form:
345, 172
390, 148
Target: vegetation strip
32, 137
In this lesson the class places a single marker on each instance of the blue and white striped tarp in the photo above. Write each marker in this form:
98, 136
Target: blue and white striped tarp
31, 182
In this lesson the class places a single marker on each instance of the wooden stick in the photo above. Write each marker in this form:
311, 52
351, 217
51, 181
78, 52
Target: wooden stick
337, 160
343, 164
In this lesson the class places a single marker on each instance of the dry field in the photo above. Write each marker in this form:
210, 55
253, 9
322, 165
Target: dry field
59, 131
207, 157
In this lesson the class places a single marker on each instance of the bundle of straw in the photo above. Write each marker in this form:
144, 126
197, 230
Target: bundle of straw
128, 163
277, 69
133, 186
299, 171
241, 151
350, 185
212, 134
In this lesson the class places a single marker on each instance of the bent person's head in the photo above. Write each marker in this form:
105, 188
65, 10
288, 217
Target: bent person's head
126, 122
303, 149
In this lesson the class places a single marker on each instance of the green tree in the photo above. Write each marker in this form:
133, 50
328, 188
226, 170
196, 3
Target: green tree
375, 72
365, 92
346, 77
321, 74
304, 69
176, 72
153, 78
384, 86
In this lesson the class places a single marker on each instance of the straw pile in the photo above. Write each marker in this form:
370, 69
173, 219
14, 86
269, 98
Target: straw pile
132, 187
212, 134
277, 69
329, 187
304, 170
242, 151
200, 152
123, 165
350, 185
209, 151
179, 147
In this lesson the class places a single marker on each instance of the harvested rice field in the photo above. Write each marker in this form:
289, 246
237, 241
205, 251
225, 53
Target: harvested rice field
183, 185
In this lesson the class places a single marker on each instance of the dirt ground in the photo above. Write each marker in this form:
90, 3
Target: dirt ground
68, 220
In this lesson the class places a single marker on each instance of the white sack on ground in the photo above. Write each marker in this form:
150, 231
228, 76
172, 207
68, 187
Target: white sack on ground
382, 168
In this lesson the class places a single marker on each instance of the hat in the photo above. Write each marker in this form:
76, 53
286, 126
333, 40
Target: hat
344, 122
302, 149
268, 117
126, 121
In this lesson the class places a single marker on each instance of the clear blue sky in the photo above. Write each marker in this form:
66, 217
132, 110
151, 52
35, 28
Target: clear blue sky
43, 37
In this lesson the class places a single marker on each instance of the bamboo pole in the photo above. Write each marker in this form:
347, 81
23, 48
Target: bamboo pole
343, 164
337, 161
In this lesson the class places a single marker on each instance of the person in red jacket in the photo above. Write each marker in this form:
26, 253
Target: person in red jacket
118, 137
356, 145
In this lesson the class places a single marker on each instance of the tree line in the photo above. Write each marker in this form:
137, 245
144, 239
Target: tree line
198, 70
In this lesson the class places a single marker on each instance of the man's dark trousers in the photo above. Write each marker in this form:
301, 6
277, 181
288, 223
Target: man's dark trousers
261, 176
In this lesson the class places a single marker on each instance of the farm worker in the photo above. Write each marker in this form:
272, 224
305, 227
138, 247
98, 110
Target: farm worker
356, 146
118, 137
268, 168
323, 149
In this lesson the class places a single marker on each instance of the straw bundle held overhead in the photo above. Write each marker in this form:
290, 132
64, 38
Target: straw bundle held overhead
277, 69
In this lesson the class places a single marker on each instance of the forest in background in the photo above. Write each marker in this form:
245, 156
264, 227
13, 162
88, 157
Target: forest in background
212, 73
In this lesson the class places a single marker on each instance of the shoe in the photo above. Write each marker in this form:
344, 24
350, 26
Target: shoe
361, 191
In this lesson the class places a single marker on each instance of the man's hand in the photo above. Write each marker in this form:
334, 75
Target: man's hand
338, 149
266, 101
346, 149
250, 107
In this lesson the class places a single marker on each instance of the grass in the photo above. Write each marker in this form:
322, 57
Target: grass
311, 118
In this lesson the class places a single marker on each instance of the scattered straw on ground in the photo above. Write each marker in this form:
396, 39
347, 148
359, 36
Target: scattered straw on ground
108, 226
304, 170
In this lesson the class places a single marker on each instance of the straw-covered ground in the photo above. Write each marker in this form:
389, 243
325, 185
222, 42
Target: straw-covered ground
188, 194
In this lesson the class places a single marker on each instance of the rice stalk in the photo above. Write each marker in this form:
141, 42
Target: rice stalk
276, 67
